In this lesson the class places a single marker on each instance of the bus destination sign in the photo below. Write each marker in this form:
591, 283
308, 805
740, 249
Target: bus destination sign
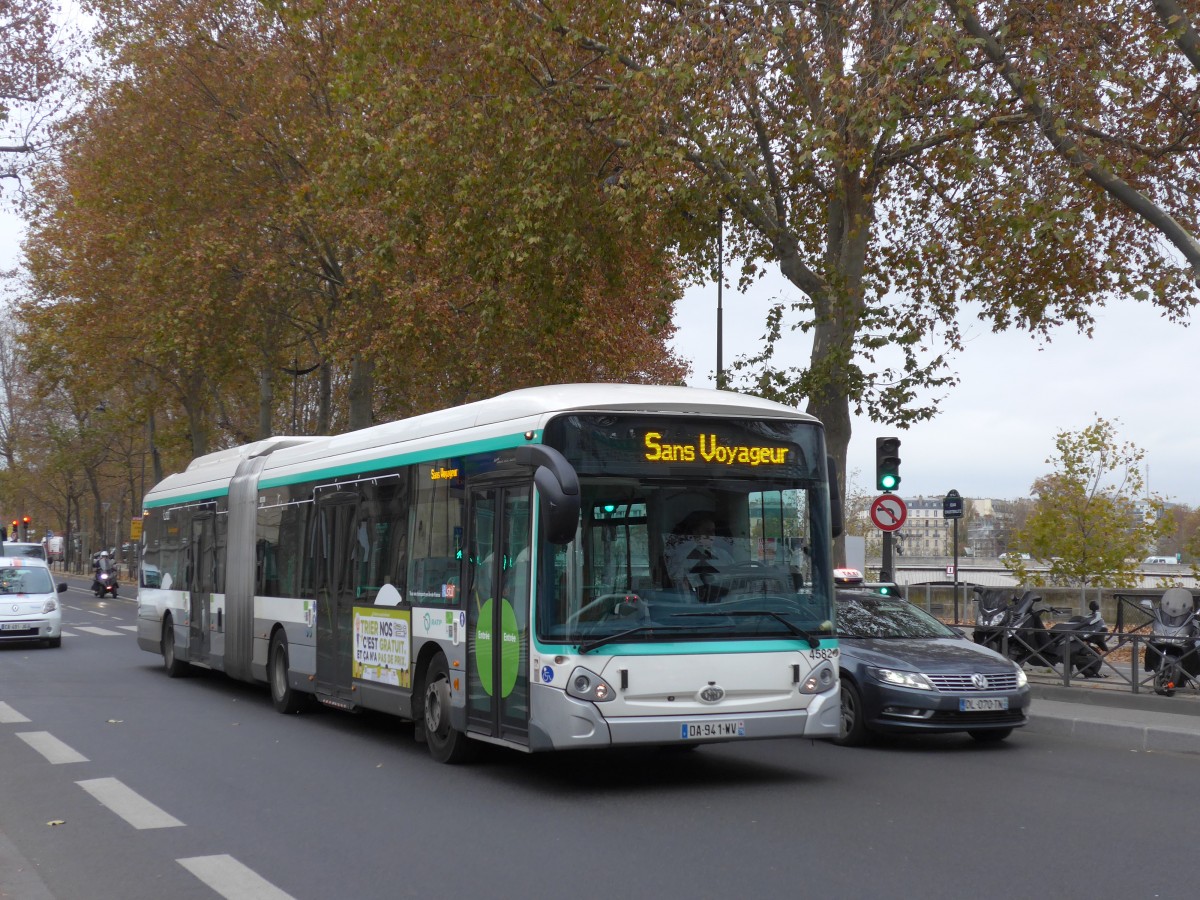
709, 448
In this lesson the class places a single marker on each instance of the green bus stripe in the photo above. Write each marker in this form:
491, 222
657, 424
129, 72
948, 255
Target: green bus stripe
680, 648
395, 461
180, 499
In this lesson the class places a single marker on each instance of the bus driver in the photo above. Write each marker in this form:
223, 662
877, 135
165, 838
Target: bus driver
695, 554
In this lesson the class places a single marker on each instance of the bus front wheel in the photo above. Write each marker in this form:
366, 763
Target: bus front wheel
446, 744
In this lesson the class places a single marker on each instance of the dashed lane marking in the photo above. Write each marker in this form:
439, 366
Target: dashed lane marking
95, 629
55, 751
9, 716
128, 804
231, 879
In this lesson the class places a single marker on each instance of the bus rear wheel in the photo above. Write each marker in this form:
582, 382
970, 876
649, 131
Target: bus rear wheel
287, 700
176, 667
446, 744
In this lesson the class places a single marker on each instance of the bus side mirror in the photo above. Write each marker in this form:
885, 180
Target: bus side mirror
837, 526
558, 488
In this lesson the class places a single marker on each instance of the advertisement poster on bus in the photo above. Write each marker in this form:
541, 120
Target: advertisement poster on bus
381, 646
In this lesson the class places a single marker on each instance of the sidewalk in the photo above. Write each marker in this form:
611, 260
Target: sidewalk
1097, 712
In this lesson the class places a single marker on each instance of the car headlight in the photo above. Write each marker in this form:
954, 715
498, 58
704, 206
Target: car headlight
50, 605
901, 679
1022, 678
587, 685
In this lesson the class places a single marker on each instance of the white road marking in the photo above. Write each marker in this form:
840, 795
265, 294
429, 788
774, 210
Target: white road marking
127, 627
128, 804
231, 879
51, 747
95, 629
8, 715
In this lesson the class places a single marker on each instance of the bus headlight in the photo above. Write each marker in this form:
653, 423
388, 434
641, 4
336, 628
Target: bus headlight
587, 685
819, 680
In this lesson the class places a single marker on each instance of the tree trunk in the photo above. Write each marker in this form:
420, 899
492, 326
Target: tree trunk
195, 404
325, 398
362, 390
266, 403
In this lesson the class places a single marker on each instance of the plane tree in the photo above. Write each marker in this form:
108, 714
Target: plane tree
871, 153
1112, 88
270, 228
34, 56
503, 252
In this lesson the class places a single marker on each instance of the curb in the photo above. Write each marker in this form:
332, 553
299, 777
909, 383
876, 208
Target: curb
1116, 725
1182, 704
1132, 736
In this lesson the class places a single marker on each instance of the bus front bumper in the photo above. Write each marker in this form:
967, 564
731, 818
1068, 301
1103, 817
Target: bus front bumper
562, 722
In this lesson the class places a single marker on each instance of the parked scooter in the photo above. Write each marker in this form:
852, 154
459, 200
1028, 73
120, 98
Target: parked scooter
993, 616
1017, 624
1173, 651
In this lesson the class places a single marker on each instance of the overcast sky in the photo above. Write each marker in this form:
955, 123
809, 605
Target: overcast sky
996, 429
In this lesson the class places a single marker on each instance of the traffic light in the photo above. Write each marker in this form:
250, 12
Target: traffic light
25, 523
887, 463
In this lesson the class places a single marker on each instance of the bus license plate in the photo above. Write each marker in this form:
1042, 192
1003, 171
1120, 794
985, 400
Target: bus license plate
982, 704
714, 730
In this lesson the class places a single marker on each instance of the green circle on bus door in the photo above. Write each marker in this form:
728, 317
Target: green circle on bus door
485, 648
510, 653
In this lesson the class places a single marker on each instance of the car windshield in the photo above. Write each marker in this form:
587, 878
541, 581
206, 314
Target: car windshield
877, 616
20, 580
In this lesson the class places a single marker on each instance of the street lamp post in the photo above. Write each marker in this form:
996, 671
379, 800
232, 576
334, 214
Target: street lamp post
720, 284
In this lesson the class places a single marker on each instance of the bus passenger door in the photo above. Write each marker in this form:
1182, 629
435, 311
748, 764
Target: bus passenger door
201, 559
498, 601
333, 547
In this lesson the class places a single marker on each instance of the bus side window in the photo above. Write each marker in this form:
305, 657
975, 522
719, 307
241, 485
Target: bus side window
435, 535
382, 541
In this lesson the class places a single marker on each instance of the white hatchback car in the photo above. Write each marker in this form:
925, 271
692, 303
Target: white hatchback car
29, 607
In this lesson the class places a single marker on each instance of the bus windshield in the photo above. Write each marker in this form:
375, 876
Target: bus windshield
700, 548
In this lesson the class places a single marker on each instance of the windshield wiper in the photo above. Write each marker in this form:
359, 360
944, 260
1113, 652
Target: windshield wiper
589, 646
813, 641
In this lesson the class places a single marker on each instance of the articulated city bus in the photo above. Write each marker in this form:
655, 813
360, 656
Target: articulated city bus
557, 567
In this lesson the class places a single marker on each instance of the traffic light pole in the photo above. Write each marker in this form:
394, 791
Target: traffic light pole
885, 569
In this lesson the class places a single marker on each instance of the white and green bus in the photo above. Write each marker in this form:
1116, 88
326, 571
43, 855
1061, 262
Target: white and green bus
573, 566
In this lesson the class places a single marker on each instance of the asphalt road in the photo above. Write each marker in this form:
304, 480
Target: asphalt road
117, 782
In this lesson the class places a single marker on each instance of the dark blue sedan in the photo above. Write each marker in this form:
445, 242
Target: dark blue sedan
904, 671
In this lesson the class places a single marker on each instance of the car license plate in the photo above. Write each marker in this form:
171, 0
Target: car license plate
714, 730
15, 626
982, 704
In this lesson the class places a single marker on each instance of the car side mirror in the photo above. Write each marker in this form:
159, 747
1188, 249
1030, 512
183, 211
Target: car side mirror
62, 586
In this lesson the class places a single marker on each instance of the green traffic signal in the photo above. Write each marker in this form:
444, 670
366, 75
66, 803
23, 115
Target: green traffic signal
887, 463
